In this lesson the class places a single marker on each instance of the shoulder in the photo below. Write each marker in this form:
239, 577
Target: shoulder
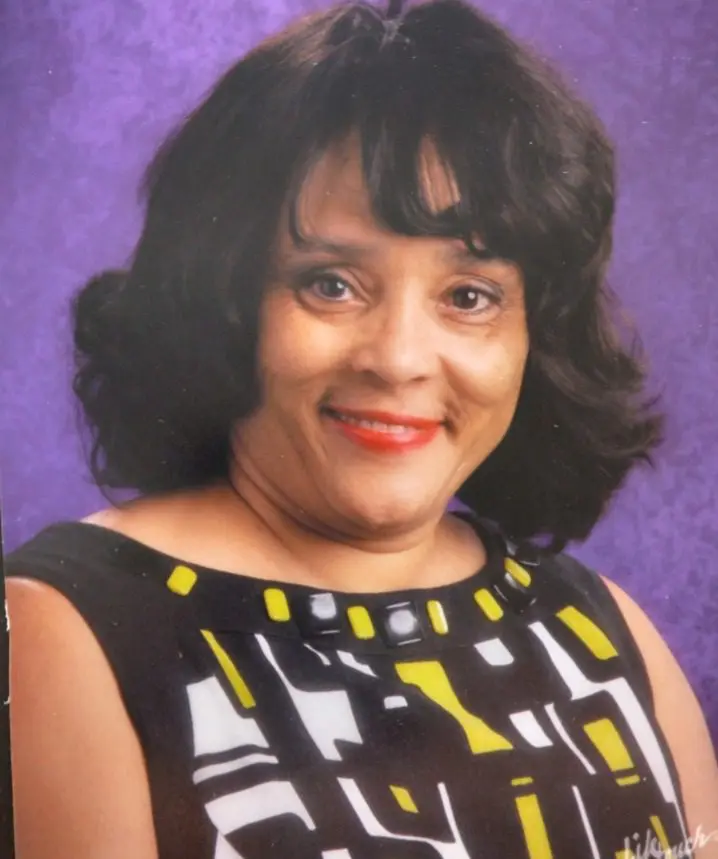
46, 631
680, 718
92, 579
96, 569
75, 755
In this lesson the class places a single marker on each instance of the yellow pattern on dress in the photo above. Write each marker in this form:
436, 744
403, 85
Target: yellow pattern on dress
431, 678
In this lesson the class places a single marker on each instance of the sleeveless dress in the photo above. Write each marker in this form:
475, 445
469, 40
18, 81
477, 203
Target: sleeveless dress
506, 715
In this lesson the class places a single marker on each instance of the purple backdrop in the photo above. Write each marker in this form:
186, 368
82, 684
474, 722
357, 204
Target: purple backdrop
89, 87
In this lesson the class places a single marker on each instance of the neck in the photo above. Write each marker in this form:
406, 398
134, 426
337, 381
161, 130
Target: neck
237, 528
439, 551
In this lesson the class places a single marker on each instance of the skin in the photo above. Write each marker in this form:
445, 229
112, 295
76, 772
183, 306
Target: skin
408, 325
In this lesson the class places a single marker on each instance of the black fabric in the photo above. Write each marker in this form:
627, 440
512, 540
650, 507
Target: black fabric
111, 584
266, 739
612, 621
614, 624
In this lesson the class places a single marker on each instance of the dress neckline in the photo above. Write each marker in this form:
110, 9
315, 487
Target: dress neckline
413, 622
494, 546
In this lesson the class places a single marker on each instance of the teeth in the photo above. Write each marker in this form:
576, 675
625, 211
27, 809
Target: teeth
374, 425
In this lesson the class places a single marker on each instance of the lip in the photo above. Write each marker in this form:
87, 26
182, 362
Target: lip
408, 432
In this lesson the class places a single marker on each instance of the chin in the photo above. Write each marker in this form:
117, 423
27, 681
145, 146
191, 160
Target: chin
387, 512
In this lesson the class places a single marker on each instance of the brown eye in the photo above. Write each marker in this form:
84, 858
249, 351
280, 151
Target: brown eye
471, 299
330, 288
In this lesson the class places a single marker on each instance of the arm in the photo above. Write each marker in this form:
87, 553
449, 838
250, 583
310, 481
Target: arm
79, 779
682, 722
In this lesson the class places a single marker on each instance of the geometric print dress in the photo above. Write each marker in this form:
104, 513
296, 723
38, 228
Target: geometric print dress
506, 715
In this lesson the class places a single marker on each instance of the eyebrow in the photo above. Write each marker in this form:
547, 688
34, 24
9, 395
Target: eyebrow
351, 250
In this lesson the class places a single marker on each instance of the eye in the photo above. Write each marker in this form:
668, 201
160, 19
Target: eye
328, 287
472, 299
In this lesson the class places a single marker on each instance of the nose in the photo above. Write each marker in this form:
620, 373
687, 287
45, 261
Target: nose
396, 343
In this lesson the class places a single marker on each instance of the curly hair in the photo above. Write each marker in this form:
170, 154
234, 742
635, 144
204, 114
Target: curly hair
166, 349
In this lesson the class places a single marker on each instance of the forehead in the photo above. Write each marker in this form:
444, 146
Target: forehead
336, 186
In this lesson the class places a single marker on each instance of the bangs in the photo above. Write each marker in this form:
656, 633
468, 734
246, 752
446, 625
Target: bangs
410, 98
530, 172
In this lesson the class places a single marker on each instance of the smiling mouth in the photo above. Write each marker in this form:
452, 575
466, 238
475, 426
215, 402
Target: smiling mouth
383, 432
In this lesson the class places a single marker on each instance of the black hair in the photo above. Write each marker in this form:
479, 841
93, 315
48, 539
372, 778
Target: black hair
166, 349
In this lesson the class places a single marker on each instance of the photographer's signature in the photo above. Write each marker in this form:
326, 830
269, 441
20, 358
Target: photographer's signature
652, 846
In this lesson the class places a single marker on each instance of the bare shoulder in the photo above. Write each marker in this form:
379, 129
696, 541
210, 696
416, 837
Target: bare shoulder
681, 719
80, 786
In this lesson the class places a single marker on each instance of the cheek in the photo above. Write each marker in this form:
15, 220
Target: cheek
493, 372
295, 350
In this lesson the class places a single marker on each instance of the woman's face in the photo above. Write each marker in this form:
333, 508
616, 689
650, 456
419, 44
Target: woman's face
390, 366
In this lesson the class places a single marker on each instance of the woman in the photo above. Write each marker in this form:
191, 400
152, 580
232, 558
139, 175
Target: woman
371, 278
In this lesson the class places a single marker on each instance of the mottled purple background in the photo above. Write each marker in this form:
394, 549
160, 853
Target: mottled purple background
89, 87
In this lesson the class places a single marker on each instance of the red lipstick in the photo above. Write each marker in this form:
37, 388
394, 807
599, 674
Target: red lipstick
384, 432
